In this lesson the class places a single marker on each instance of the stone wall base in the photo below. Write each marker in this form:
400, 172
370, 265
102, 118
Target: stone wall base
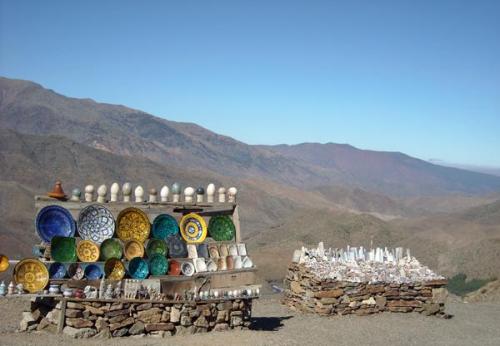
84, 319
305, 293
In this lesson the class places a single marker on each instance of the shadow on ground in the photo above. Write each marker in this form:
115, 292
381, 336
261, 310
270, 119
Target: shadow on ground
268, 324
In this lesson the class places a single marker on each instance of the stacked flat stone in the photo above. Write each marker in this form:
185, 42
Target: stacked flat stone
106, 319
332, 283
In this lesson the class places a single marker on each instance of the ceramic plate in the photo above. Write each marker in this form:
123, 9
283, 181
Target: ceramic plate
193, 228
111, 248
114, 269
57, 270
156, 246
32, 274
221, 228
133, 248
87, 251
96, 223
63, 249
54, 220
158, 265
93, 272
4, 263
138, 268
133, 224
164, 225
176, 247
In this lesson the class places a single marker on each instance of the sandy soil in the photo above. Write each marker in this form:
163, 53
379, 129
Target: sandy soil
273, 324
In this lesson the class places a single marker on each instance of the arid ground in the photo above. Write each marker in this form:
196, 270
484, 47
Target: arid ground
274, 324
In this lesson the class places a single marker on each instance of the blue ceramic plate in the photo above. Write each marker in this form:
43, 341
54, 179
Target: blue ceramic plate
96, 223
176, 247
57, 270
158, 264
54, 220
138, 268
164, 225
93, 272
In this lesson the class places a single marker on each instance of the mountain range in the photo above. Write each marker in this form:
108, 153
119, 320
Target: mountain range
291, 195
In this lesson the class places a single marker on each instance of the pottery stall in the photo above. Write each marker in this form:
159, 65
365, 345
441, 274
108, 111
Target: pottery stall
362, 282
129, 266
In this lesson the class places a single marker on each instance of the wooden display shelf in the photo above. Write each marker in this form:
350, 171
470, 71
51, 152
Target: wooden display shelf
151, 209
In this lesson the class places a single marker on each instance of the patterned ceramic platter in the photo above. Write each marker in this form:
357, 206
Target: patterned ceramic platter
93, 272
164, 225
96, 223
156, 246
57, 270
76, 271
133, 248
111, 248
54, 220
32, 274
158, 265
4, 263
133, 224
138, 268
63, 249
114, 269
176, 247
193, 228
87, 251
221, 228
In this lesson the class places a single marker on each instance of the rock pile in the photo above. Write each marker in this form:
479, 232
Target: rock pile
105, 319
358, 282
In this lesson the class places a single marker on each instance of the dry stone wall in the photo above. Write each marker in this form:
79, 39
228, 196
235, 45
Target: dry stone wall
84, 319
305, 292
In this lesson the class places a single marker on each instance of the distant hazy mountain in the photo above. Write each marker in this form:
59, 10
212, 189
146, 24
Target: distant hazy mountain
28, 108
474, 168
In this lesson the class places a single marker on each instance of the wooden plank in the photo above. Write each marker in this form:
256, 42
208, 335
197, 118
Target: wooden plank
62, 316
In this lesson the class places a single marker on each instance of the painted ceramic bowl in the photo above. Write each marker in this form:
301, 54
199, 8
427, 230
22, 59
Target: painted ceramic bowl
32, 274
158, 265
4, 263
138, 268
133, 248
111, 248
57, 270
54, 220
96, 223
187, 268
87, 251
164, 225
114, 269
176, 247
76, 271
63, 249
133, 224
221, 228
193, 228
156, 246
93, 272
174, 268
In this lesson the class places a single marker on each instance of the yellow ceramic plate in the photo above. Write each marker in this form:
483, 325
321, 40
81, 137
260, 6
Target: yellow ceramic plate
87, 251
114, 269
4, 263
133, 224
32, 274
133, 248
193, 228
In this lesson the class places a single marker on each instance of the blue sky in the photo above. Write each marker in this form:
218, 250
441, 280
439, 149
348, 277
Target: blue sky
421, 77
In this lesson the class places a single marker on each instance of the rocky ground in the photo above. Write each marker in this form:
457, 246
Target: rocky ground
274, 324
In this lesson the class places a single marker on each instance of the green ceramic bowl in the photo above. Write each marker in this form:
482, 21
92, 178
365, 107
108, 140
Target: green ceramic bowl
221, 228
156, 246
111, 248
63, 249
158, 265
